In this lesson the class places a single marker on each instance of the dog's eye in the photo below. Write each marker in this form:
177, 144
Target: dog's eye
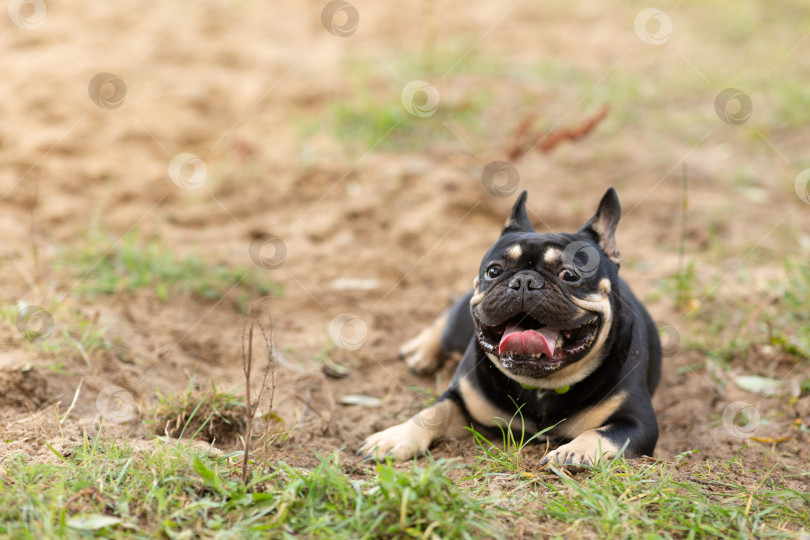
494, 271
570, 277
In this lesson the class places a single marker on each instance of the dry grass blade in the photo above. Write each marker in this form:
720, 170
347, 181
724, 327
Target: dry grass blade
253, 405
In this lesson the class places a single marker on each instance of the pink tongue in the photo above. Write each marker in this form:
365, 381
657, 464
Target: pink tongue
519, 341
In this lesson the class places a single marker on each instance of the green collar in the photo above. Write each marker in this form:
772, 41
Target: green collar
560, 390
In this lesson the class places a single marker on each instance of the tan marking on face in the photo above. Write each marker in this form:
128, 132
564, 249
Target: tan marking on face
587, 449
552, 255
476, 282
477, 298
590, 418
596, 302
604, 286
514, 252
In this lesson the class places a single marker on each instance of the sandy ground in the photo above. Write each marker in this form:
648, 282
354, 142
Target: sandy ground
254, 91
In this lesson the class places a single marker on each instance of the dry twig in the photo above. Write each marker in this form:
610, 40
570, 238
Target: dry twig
524, 142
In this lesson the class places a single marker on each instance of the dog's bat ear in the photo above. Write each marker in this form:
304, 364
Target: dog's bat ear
602, 226
518, 220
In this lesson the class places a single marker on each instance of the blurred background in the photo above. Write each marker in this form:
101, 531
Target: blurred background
164, 165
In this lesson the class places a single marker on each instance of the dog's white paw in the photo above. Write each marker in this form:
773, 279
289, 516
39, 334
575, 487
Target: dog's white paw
423, 354
421, 361
586, 450
402, 441
413, 437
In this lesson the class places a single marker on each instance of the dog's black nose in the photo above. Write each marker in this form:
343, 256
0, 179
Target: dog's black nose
529, 282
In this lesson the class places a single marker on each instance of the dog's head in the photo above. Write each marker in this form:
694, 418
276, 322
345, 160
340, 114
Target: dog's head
544, 303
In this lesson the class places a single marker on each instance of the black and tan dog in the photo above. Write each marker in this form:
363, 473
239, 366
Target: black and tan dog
551, 329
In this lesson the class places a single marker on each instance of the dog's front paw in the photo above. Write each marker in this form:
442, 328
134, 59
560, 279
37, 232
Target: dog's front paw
584, 451
402, 441
423, 354
567, 457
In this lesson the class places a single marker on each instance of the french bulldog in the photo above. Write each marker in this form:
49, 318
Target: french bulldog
550, 336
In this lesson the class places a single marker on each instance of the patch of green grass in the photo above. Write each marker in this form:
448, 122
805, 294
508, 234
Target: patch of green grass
721, 332
371, 113
381, 121
73, 333
621, 500
83, 336
793, 103
105, 266
732, 329
653, 499
508, 456
685, 286
788, 320
108, 489
8, 313
214, 417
